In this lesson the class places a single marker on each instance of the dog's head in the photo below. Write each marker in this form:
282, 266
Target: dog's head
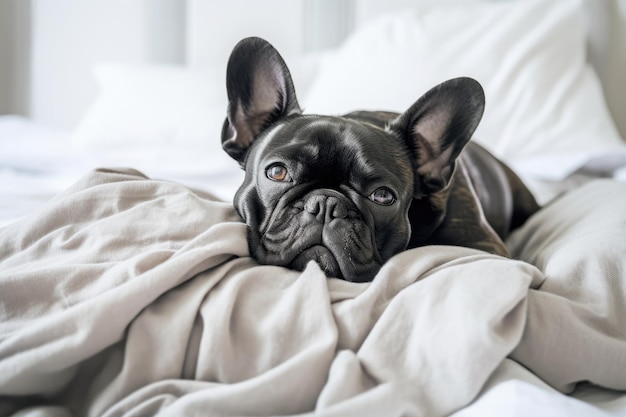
336, 190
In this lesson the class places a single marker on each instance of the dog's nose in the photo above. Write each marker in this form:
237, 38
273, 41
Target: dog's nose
325, 207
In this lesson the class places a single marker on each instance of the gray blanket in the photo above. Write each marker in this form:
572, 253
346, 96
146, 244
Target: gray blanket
127, 296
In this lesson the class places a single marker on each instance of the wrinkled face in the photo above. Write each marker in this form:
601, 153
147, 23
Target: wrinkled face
329, 190
336, 190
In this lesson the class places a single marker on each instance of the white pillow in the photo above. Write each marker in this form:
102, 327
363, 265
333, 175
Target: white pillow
154, 105
543, 99
170, 105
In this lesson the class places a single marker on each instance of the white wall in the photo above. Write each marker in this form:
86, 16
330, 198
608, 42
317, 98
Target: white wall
292, 26
14, 56
214, 27
70, 37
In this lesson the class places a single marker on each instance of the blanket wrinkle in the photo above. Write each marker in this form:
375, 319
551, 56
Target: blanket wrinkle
261, 318
163, 330
367, 304
346, 379
74, 306
576, 327
158, 310
77, 327
425, 352
246, 361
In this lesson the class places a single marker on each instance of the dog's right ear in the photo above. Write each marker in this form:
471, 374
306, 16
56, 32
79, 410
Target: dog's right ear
260, 92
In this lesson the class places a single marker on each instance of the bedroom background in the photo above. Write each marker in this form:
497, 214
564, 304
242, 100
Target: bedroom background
141, 83
127, 295
48, 49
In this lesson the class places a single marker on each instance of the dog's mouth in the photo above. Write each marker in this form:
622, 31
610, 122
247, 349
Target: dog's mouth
324, 258
359, 266
318, 227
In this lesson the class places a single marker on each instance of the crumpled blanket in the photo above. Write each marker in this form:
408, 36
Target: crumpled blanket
127, 296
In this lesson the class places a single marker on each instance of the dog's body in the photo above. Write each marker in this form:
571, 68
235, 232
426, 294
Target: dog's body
350, 192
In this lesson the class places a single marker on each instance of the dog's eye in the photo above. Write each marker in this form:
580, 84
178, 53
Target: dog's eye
383, 196
278, 172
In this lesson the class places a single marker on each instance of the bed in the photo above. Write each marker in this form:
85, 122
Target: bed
126, 287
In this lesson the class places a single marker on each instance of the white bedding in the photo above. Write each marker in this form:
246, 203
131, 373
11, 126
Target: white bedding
37, 163
122, 295
130, 296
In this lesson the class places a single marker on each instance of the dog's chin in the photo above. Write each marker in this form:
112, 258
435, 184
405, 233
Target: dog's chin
324, 258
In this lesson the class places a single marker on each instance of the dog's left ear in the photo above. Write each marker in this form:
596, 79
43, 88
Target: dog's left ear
260, 92
437, 127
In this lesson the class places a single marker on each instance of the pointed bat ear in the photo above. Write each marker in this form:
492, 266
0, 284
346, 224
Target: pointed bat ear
260, 92
437, 127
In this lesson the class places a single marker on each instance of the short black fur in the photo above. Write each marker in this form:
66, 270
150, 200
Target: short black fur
437, 186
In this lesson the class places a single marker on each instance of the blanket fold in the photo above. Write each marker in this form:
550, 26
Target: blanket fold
577, 319
127, 296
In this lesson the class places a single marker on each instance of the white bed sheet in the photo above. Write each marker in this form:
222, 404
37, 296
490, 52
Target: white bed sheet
37, 163
513, 390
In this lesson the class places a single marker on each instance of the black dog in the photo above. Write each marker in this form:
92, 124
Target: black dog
350, 192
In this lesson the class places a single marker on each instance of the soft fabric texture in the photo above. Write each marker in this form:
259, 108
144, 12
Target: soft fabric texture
154, 105
127, 296
544, 102
577, 318
166, 105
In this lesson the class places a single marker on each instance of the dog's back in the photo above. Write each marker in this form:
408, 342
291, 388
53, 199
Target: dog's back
483, 190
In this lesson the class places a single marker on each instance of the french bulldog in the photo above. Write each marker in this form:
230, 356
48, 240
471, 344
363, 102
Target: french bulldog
349, 192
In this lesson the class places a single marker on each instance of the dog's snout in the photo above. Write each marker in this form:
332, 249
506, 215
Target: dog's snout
325, 207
